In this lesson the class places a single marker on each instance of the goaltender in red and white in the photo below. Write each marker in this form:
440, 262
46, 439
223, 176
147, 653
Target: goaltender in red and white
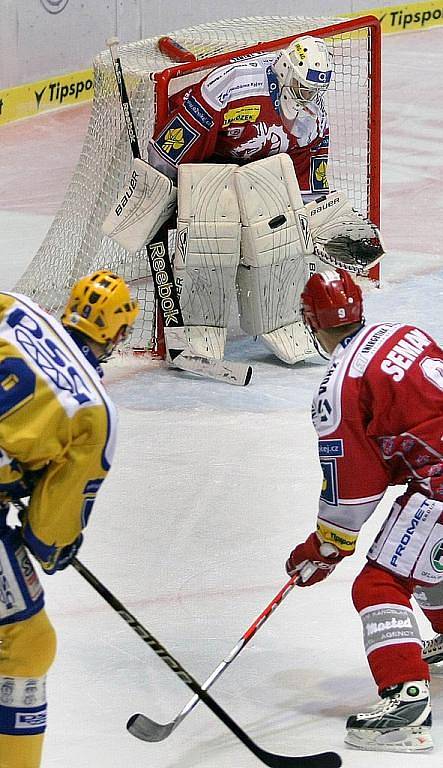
378, 414
240, 145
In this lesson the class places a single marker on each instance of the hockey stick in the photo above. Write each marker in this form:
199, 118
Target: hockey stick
146, 729
323, 760
162, 273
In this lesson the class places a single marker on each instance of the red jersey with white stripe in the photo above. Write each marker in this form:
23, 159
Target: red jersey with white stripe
379, 418
233, 115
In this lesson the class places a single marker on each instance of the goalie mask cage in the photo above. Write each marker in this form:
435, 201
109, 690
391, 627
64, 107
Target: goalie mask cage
75, 246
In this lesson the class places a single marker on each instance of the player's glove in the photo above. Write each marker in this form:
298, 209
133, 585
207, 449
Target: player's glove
50, 557
63, 557
16, 482
314, 560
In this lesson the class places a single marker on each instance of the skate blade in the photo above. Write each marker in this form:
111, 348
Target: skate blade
414, 739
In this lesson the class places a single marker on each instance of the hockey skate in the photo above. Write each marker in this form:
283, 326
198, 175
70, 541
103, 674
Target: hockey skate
401, 722
432, 653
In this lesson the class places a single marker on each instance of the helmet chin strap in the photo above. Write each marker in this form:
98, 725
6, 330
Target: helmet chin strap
322, 352
110, 346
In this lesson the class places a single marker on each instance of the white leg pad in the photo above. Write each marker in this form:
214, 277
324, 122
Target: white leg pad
277, 251
291, 343
147, 201
273, 217
207, 251
200, 340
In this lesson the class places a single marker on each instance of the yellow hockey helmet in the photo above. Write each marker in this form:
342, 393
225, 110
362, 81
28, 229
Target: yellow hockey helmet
101, 307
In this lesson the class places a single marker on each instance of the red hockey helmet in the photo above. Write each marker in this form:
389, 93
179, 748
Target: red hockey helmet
330, 299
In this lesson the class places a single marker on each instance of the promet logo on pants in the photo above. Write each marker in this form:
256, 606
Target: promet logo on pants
54, 6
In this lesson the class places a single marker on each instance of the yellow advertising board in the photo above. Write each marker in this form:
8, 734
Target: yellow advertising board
35, 98
63, 90
407, 17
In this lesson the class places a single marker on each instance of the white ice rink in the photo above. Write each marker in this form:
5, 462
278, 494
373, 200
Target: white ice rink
213, 485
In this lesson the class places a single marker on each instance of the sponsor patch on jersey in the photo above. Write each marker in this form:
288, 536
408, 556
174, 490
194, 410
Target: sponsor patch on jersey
329, 491
175, 140
333, 448
344, 540
437, 557
234, 133
249, 113
198, 112
30, 577
319, 179
274, 91
25, 721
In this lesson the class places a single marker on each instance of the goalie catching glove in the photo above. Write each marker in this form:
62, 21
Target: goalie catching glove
314, 560
342, 236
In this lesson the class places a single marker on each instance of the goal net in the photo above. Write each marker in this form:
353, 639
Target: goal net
75, 245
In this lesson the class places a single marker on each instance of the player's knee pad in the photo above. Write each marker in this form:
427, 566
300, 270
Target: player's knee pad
276, 248
27, 650
207, 252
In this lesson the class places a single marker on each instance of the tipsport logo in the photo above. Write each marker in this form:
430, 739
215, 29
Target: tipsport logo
54, 6
57, 92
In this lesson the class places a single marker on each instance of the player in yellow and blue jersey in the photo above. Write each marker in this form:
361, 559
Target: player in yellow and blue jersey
57, 436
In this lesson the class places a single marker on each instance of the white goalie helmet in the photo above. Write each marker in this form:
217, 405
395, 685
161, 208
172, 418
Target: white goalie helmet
304, 69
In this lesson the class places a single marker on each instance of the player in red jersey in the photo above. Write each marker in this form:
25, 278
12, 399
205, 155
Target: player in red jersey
250, 109
378, 414
242, 161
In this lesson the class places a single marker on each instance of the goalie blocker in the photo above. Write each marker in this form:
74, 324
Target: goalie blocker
245, 228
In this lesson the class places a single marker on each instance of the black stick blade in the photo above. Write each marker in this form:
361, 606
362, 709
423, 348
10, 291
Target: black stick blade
146, 729
322, 760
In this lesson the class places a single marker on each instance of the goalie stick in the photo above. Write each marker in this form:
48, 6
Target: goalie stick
162, 273
323, 760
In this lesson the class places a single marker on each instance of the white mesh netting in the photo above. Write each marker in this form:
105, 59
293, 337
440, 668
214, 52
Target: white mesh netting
74, 244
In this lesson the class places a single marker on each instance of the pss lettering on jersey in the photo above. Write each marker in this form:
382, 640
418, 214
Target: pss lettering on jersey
53, 362
38, 354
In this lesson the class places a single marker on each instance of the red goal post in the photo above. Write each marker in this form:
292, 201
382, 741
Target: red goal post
75, 244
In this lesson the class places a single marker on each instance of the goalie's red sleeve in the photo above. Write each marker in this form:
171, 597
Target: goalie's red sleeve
233, 115
379, 418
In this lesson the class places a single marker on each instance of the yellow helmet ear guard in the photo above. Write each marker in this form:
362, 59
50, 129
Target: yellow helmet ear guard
100, 306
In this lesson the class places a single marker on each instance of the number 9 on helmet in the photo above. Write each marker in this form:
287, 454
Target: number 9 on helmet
330, 299
304, 69
101, 308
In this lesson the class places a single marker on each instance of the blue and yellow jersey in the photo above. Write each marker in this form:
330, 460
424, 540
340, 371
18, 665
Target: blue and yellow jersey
56, 418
